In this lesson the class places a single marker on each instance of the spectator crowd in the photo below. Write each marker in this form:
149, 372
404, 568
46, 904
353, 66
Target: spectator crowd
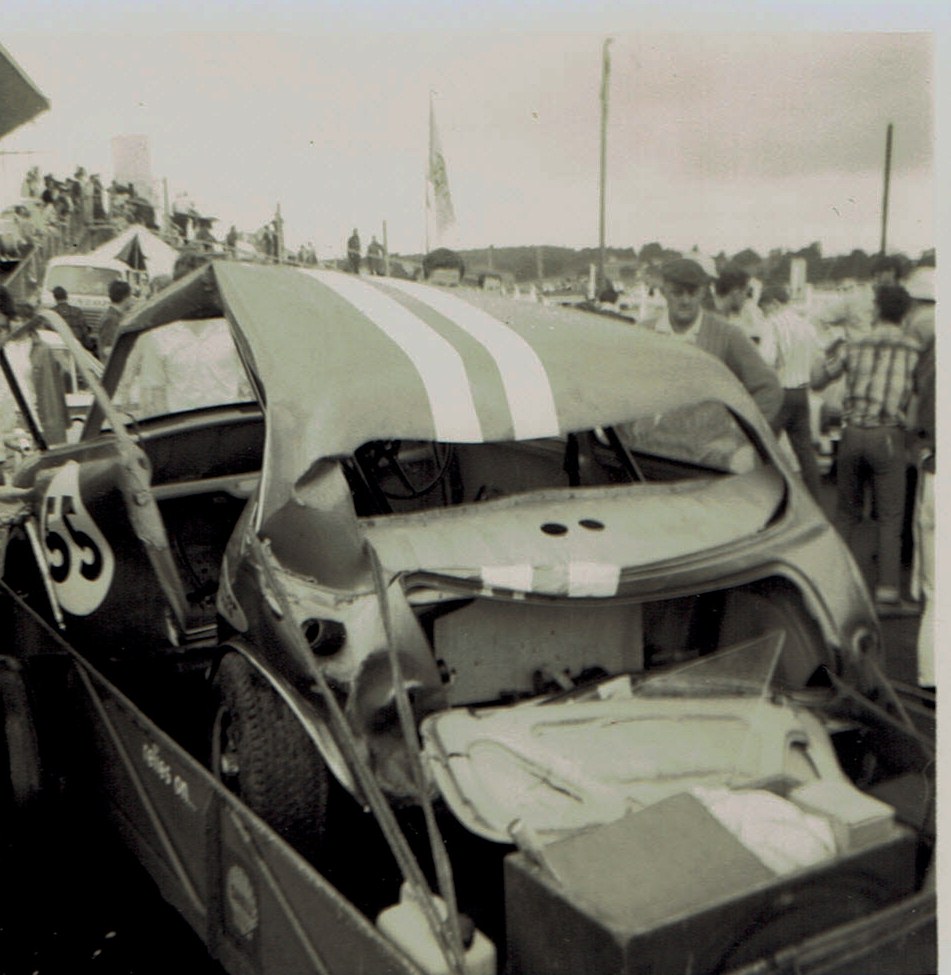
883, 364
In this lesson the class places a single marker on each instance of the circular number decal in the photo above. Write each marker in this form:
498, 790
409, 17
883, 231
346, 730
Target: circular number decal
81, 563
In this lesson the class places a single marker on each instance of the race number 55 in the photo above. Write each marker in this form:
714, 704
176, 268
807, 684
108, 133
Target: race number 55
80, 561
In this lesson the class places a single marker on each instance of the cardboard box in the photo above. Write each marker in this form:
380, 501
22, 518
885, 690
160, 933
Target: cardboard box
857, 819
668, 889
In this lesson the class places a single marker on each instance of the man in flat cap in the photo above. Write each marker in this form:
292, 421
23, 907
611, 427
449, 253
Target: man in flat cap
685, 286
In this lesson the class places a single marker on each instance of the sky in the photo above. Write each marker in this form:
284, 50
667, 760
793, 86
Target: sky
742, 131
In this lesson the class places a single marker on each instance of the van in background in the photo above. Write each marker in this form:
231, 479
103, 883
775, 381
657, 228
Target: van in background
86, 280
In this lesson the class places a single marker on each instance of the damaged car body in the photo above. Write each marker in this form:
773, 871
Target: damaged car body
523, 572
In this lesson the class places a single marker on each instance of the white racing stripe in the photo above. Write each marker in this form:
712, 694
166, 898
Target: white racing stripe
593, 579
527, 387
438, 363
515, 577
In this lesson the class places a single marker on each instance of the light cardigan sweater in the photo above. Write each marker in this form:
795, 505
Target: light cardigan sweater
727, 342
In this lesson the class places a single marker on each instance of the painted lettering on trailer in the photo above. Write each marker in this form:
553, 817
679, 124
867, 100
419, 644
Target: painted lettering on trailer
80, 561
162, 770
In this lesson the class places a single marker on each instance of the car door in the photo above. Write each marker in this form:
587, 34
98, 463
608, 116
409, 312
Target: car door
87, 542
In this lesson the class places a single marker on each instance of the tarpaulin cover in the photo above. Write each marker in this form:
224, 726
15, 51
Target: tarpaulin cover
20, 99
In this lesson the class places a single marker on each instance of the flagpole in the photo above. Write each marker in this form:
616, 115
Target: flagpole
428, 168
605, 75
888, 174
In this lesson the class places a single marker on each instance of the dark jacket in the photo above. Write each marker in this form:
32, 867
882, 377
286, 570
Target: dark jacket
76, 320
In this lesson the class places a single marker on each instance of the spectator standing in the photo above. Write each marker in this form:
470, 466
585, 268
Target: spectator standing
87, 190
685, 284
920, 324
353, 251
98, 204
120, 296
8, 312
375, 256
74, 318
879, 369
733, 301
31, 184
791, 344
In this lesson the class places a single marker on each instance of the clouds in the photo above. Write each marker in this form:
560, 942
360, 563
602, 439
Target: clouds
722, 139
777, 105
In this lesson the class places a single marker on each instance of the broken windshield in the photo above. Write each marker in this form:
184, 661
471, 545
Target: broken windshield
700, 440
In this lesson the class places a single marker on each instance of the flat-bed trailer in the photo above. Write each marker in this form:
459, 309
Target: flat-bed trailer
259, 906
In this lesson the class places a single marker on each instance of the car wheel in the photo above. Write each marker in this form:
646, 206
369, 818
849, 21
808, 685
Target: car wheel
20, 766
262, 754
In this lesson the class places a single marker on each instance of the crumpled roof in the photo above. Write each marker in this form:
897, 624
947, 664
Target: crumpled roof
344, 360
20, 99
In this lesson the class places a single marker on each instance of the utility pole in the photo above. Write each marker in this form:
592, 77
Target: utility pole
605, 77
386, 252
888, 176
279, 233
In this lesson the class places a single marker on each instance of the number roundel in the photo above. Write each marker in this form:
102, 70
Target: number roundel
81, 562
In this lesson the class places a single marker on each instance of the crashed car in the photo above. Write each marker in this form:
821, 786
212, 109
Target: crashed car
500, 600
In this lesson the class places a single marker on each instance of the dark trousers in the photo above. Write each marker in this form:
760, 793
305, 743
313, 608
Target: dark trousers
873, 456
794, 419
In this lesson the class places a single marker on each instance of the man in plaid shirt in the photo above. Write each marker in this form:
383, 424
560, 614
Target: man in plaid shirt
879, 369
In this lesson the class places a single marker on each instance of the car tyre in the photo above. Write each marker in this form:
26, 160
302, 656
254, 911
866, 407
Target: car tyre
262, 754
20, 767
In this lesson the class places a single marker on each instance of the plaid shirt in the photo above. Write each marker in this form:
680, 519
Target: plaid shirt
879, 376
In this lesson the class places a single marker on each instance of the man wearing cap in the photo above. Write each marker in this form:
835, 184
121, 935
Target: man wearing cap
920, 324
685, 286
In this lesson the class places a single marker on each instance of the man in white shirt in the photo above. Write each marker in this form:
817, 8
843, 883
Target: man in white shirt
732, 297
792, 346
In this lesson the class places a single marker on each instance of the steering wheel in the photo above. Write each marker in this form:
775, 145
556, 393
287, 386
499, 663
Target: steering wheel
384, 460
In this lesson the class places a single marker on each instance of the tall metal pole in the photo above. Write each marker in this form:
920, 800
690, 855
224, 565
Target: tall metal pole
429, 166
888, 176
605, 76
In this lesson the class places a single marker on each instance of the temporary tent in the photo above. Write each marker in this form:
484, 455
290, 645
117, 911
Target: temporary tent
140, 249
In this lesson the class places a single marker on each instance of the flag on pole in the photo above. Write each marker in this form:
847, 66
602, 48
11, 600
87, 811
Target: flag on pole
438, 199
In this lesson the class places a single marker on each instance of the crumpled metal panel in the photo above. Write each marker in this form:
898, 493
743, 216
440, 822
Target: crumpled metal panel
510, 543
344, 360
563, 767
